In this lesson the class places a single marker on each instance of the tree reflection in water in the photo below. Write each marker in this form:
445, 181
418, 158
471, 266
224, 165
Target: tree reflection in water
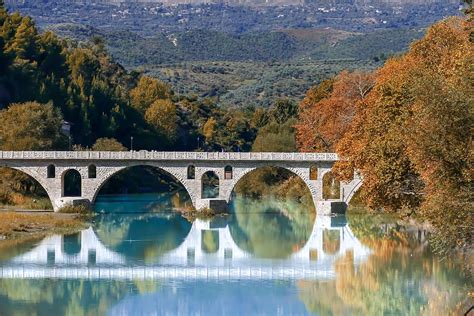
270, 228
146, 219
401, 276
152, 234
66, 297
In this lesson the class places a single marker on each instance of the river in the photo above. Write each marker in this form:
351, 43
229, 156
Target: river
268, 257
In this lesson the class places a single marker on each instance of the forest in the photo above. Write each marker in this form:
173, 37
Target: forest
406, 127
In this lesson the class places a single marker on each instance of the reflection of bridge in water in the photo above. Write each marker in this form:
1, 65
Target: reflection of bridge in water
83, 256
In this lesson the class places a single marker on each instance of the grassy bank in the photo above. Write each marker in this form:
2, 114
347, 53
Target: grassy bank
18, 228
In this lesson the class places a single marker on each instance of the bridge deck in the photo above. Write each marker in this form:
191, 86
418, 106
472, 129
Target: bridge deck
162, 155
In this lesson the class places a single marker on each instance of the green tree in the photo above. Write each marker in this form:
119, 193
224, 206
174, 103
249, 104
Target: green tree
276, 138
283, 110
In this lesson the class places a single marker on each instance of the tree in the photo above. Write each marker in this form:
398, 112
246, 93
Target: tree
25, 40
3, 12
260, 118
328, 109
411, 137
162, 116
209, 129
283, 110
108, 144
276, 138
147, 91
31, 126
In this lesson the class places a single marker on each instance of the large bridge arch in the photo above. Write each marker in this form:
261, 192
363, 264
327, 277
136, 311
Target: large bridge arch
104, 174
36, 173
301, 172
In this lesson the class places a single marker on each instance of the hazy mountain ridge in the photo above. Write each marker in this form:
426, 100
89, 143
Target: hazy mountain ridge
257, 2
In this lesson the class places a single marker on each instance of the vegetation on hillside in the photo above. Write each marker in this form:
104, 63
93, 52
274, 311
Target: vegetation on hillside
408, 131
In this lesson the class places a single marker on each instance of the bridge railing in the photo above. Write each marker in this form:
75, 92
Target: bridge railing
164, 155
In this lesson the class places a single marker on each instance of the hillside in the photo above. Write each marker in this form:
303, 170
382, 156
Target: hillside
249, 69
134, 50
258, 2
242, 55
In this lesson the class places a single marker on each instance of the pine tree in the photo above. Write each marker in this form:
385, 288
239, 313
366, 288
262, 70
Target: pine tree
24, 43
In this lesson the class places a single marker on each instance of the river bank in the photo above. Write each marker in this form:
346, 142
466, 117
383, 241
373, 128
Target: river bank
19, 227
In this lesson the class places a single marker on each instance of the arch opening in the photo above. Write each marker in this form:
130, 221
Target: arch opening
72, 183
274, 181
92, 171
157, 234
228, 175
273, 213
209, 241
19, 188
71, 244
331, 187
331, 241
51, 172
139, 189
210, 185
191, 172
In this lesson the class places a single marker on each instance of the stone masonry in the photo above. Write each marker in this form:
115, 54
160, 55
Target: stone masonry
107, 164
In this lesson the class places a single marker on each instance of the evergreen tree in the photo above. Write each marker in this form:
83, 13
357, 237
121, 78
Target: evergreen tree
24, 43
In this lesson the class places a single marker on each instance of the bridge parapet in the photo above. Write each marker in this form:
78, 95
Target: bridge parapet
163, 155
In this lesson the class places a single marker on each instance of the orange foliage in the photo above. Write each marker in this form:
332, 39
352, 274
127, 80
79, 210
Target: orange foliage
410, 137
326, 114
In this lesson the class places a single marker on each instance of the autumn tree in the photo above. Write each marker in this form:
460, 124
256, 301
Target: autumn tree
147, 91
328, 109
209, 130
31, 126
162, 116
25, 41
108, 144
411, 137
28, 126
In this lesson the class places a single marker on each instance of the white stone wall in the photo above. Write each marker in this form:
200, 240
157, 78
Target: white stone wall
175, 163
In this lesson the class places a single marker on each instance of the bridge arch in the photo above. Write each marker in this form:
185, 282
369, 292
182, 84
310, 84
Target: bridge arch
34, 174
71, 183
302, 173
331, 186
210, 185
354, 189
173, 173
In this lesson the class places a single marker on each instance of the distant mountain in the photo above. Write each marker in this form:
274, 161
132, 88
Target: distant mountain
356, 3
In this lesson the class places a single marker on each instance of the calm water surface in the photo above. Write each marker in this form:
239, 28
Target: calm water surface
268, 258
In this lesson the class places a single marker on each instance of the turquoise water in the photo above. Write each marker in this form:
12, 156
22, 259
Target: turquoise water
269, 257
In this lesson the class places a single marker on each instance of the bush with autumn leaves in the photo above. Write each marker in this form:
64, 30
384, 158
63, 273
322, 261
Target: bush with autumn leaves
407, 129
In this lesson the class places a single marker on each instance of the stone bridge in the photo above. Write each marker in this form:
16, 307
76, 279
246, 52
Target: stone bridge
54, 169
